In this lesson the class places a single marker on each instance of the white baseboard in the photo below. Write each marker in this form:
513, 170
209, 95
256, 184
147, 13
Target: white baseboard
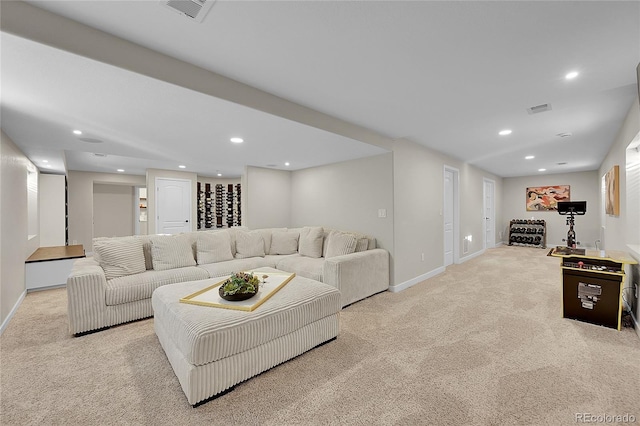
471, 256
413, 281
5, 323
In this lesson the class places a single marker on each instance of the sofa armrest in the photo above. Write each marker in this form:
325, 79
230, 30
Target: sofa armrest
86, 288
358, 275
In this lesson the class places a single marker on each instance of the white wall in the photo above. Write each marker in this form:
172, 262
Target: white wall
80, 190
266, 198
113, 210
347, 196
152, 175
616, 235
52, 210
585, 186
15, 246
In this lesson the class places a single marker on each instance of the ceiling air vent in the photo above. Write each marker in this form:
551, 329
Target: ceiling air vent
195, 10
539, 108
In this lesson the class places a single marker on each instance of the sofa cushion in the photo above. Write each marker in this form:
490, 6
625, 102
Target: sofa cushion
214, 247
340, 243
308, 267
119, 257
284, 242
225, 269
171, 251
311, 239
249, 244
141, 286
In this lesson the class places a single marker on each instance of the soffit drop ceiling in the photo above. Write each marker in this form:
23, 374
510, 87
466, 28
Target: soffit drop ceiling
447, 75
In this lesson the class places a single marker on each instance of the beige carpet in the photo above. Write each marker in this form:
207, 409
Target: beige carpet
481, 344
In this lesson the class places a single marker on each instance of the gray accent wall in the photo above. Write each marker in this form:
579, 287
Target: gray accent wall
113, 210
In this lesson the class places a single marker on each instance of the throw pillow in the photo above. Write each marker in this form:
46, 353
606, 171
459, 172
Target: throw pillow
214, 247
340, 243
119, 256
284, 242
362, 244
171, 251
249, 244
311, 239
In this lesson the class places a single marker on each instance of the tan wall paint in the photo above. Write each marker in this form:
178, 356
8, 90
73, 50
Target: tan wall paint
113, 210
585, 186
266, 198
347, 196
418, 190
15, 246
80, 188
152, 175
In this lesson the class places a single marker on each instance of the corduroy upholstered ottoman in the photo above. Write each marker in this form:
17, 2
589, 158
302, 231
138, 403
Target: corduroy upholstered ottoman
213, 349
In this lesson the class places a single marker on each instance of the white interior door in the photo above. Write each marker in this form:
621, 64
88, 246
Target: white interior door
173, 205
449, 216
489, 214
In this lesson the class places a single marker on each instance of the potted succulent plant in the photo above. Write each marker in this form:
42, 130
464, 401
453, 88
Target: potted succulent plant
239, 286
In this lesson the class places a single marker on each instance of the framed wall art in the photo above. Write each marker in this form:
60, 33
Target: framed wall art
542, 198
612, 191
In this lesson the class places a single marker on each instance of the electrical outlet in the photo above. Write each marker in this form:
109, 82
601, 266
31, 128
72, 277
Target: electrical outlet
422, 257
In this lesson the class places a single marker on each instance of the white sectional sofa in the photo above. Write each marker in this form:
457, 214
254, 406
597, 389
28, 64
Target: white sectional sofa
116, 284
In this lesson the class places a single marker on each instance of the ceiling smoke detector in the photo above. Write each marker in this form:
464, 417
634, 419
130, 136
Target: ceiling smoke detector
564, 134
90, 140
539, 108
99, 154
195, 10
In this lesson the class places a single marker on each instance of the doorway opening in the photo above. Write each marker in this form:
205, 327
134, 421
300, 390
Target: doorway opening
451, 216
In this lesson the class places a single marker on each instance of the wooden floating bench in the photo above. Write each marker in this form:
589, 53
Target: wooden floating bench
49, 267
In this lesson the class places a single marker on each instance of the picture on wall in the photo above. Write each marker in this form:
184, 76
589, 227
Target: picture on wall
543, 198
612, 194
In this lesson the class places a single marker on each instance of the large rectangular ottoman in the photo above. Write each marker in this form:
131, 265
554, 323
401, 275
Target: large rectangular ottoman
213, 349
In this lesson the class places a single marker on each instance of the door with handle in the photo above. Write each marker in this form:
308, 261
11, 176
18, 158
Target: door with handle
173, 205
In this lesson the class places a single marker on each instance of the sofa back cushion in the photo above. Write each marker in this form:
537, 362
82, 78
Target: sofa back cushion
213, 247
284, 242
119, 257
340, 243
171, 251
249, 244
311, 239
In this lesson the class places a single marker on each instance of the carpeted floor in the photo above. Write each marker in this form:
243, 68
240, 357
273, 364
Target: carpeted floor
481, 344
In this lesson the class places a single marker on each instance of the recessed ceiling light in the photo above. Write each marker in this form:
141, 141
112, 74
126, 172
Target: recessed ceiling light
45, 161
219, 174
121, 170
562, 163
286, 164
237, 140
529, 157
182, 166
571, 75
77, 132
542, 170
48, 166
504, 132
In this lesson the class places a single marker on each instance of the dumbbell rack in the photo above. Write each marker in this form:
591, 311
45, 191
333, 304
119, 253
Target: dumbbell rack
528, 233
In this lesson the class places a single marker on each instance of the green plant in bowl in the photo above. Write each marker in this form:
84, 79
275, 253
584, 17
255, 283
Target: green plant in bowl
239, 286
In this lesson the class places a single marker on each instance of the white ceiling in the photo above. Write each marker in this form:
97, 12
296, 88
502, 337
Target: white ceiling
448, 75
